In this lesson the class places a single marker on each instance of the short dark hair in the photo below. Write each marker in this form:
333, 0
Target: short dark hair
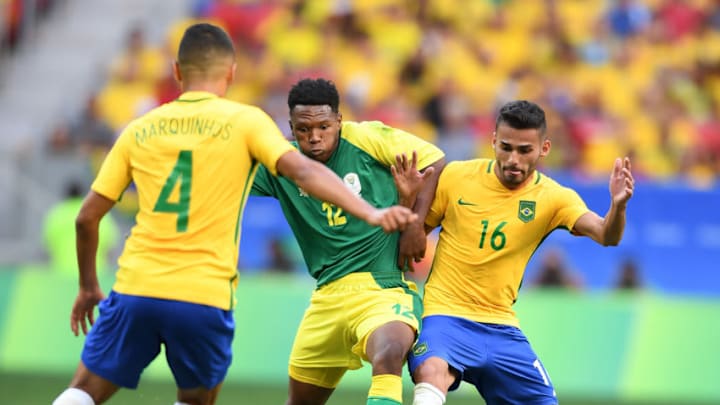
314, 92
522, 114
202, 45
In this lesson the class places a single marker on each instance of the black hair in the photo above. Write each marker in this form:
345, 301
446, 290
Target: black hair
522, 114
202, 45
314, 92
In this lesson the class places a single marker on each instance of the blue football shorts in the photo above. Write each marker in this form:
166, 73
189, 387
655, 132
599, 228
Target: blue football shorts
496, 359
128, 333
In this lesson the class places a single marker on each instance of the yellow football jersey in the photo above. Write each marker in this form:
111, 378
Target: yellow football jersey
192, 161
487, 237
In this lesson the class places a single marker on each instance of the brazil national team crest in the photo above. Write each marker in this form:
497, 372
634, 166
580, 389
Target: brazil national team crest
352, 181
420, 349
526, 211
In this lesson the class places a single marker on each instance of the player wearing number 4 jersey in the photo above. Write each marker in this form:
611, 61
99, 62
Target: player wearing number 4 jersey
362, 309
193, 162
494, 214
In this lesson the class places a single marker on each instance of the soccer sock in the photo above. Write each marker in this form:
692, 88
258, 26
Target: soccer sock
386, 389
74, 396
428, 394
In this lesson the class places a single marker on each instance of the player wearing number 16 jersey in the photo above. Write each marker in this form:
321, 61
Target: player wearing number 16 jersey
494, 214
193, 162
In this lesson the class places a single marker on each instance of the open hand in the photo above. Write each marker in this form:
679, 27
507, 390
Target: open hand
622, 183
408, 180
83, 309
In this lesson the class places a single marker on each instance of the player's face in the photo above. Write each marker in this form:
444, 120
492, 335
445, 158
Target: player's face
316, 129
517, 152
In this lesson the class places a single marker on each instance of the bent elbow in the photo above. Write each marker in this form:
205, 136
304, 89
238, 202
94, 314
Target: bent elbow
83, 223
611, 242
81, 226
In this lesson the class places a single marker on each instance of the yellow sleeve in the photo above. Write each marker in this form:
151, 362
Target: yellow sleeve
265, 141
115, 173
384, 143
570, 208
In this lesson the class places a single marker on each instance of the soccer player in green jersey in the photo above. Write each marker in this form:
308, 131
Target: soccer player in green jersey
494, 214
362, 308
192, 161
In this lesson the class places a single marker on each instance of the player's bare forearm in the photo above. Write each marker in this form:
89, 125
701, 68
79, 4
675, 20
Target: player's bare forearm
413, 240
86, 242
613, 225
320, 182
407, 200
87, 225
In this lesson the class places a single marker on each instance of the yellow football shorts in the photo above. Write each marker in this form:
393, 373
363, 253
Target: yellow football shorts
333, 333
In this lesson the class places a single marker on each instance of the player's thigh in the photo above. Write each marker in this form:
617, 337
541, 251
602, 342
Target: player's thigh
392, 312
391, 338
313, 385
454, 341
514, 373
198, 343
124, 339
321, 351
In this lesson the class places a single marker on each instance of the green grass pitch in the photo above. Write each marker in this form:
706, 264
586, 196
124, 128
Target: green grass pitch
32, 389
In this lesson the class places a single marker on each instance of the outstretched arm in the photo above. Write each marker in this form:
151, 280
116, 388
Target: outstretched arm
608, 230
87, 225
320, 182
415, 190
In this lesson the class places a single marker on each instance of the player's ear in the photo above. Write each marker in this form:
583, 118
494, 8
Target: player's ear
231, 73
545, 147
176, 72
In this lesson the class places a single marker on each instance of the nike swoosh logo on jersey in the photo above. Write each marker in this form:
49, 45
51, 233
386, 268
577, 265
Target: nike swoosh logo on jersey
462, 202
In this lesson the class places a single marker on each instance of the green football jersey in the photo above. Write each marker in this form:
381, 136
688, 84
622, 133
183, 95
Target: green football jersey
333, 242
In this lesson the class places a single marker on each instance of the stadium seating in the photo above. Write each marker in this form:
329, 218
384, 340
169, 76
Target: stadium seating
638, 78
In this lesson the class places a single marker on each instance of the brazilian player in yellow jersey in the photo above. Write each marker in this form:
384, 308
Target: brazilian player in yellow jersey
362, 308
493, 214
193, 161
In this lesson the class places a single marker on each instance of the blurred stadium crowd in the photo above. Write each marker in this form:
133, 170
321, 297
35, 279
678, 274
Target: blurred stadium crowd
616, 77
19, 17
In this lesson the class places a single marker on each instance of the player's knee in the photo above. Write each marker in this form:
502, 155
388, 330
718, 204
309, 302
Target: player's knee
391, 357
434, 371
194, 397
74, 396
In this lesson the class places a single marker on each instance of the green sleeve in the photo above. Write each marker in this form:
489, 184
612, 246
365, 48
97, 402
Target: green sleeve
264, 183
